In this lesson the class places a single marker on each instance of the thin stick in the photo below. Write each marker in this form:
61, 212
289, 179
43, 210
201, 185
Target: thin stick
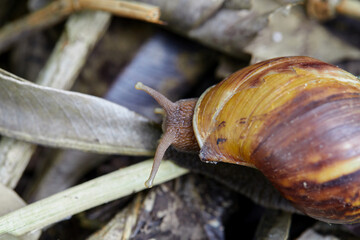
350, 8
140, 11
326, 10
58, 10
93, 193
45, 17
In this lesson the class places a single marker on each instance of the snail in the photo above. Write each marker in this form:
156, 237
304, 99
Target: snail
296, 119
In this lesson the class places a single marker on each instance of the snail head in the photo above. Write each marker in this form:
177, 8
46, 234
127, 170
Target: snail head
177, 127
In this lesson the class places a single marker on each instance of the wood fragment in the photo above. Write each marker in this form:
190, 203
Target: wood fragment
121, 226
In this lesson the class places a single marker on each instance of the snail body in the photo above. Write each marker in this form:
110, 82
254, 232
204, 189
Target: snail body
296, 119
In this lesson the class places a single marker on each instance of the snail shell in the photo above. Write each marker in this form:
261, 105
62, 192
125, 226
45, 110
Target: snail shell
297, 120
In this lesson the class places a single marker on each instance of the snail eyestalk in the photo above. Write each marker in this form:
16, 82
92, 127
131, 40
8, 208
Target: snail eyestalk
177, 127
165, 103
168, 137
165, 142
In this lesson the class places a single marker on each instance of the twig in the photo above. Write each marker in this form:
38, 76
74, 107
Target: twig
58, 10
84, 196
140, 11
349, 7
326, 10
47, 16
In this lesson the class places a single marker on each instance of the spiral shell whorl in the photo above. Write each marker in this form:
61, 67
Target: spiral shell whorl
297, 120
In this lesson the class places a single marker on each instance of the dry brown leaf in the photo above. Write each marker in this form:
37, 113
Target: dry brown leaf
219, 24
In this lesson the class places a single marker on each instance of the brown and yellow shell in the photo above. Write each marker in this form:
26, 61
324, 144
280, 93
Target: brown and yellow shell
297, 120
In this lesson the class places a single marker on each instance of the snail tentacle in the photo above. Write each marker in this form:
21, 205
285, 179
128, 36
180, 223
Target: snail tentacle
166, 140
165, 103
177, 127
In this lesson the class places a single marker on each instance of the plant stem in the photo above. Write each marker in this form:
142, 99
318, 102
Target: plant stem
93, 193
